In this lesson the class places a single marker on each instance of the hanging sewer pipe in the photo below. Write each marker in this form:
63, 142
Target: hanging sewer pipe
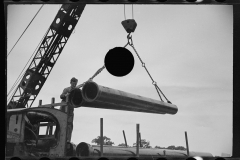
96, 96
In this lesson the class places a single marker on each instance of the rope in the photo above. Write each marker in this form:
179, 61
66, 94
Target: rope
99, 70
25, 30
90, 79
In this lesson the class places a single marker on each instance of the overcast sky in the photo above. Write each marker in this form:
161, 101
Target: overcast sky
186, 48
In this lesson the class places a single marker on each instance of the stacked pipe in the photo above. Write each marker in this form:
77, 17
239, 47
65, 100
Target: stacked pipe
96, 96
85, 149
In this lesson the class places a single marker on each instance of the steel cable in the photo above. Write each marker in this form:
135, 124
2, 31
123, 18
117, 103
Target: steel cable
25, 29
17, 81
143, 65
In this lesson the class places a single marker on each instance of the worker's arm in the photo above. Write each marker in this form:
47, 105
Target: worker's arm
80, 85
64, 94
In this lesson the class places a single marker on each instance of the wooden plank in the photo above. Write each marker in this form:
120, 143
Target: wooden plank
54, 105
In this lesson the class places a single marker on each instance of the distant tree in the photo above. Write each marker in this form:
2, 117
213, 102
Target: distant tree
159, 147
144, 144
180, 148
123, 144
106, 141
171, 147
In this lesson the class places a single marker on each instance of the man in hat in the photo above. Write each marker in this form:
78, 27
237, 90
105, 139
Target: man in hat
68, 108
67, 90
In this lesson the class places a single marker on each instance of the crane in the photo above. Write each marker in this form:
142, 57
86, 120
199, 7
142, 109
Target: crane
46, 56
24, 124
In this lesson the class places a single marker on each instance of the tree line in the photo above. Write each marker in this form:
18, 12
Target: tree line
144, 144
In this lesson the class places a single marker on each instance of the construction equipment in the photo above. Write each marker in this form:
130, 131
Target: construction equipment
38, 131
42, 131
46, 56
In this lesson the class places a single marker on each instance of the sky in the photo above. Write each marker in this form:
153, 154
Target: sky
188, 50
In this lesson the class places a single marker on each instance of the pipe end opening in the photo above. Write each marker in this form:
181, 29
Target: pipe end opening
90, 91
76, 98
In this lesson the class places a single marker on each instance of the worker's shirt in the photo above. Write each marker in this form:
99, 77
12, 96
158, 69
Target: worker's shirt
65, 91
68, 90
63, 97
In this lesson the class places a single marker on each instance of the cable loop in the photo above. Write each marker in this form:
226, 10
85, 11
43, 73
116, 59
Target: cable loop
130, 42
129, 36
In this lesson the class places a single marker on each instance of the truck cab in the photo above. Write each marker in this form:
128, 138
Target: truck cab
37, 131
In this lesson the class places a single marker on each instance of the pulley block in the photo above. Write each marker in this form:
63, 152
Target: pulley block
129, 25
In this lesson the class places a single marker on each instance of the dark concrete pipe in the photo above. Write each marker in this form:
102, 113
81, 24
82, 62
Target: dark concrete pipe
76, 100
96, 96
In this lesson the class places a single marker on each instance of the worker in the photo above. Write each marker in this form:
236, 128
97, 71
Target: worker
69, 108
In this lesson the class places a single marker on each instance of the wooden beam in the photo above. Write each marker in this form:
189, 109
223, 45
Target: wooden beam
40, 103
137, 147
52, 101
101, 136
140, 140
125, 138
187, 143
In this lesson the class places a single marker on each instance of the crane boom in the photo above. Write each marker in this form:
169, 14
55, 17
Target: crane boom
46, 55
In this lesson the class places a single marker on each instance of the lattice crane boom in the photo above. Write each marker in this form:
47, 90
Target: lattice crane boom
46, 55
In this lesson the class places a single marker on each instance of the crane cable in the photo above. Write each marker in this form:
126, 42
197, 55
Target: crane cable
125, 13
98, 71
17, 81
132, 12
30, 57
25, 29
130, 42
